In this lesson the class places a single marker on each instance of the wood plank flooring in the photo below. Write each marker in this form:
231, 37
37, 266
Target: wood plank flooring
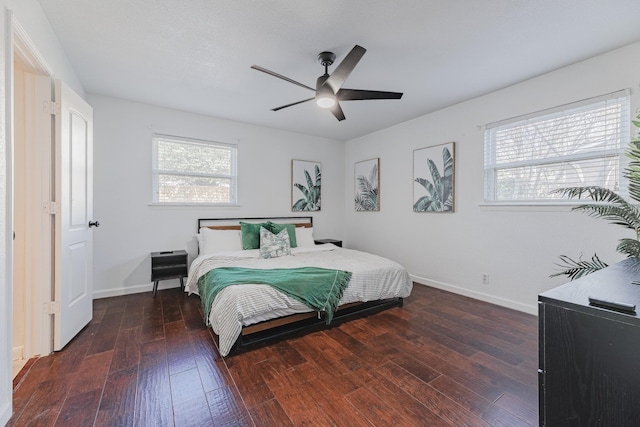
441, 360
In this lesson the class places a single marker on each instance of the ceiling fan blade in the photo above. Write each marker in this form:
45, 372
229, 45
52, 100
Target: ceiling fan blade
357, 94
342, 71
280, 76
292, 104
337, 111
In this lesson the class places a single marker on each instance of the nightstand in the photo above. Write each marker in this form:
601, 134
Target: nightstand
323, 241
168, 265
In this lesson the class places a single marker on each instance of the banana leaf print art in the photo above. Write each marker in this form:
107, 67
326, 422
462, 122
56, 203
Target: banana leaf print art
433, 178
306, 185
367, 194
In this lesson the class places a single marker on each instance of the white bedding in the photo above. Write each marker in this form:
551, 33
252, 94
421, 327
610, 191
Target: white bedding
374, 278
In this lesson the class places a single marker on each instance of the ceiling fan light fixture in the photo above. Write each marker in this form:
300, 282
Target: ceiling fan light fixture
325, 101
324, 95
329, 92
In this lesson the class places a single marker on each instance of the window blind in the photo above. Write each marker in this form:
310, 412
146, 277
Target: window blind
190, 171
579, 144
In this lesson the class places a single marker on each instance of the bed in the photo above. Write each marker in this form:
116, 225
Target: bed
247, 314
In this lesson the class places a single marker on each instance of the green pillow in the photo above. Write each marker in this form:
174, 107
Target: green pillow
291, 229
251, 234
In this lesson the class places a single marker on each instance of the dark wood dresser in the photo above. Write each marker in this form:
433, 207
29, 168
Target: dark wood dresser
589, 361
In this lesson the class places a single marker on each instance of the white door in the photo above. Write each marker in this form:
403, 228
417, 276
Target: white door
74, 212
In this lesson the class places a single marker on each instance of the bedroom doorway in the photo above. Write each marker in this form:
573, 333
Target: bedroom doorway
32, 181
52, 213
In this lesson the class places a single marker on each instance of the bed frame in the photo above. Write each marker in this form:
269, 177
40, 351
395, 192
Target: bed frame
273, 330
234, 223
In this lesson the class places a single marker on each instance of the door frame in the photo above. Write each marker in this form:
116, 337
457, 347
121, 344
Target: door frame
38, 323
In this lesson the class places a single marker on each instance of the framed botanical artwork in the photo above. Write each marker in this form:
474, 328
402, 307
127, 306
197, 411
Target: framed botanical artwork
433, 178
305, 185
367, 185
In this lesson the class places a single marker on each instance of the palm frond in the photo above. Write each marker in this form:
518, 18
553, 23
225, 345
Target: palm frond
634, 187
427, 186
304, 190
366, 198
364, 185
423, 204
435, 174
318, 176
595, 193
576, 269
373, 175
610, 206
626, 215
307, 177
629, 247
447, 160
448, 204
365, 202
632, 172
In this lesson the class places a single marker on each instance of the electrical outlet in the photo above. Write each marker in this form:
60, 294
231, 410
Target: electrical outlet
485, 278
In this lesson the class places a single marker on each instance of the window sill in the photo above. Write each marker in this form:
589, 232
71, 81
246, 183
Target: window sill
531, 206
195, 205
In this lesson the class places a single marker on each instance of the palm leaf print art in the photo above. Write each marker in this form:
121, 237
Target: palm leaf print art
310, 200
439, 189
367, 196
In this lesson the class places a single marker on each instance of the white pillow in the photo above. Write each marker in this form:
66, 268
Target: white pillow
274, 245
219, 240
304, 236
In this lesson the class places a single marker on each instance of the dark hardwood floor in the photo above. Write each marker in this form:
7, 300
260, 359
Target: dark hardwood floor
441, 360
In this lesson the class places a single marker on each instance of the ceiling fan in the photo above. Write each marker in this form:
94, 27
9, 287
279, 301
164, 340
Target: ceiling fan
329, 91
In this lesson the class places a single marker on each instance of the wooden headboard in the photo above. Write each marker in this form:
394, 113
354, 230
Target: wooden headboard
234, 223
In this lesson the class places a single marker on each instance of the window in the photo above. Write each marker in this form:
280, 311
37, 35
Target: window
190, 171
579, 144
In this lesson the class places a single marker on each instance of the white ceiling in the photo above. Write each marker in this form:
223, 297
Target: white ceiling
194, 55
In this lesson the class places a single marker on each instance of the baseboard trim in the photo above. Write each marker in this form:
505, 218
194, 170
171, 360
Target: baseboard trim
138, 289
107, 293
504, 302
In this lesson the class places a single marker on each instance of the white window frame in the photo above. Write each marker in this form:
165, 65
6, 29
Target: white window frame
490, 166
156, 172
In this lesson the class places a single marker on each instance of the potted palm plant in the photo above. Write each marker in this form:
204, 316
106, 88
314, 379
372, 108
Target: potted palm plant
610, 206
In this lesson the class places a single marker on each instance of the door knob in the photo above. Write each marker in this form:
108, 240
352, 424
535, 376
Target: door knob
94, 224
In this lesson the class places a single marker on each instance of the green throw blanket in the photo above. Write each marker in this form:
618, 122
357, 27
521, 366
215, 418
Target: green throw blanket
318, 288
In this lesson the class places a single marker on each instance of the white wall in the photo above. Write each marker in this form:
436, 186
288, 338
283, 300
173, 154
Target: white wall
516, 246
130, 228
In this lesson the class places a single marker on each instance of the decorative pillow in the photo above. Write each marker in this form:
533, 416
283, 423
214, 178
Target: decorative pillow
304, 236
291, 229
218, 240
251, 234
274, 245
